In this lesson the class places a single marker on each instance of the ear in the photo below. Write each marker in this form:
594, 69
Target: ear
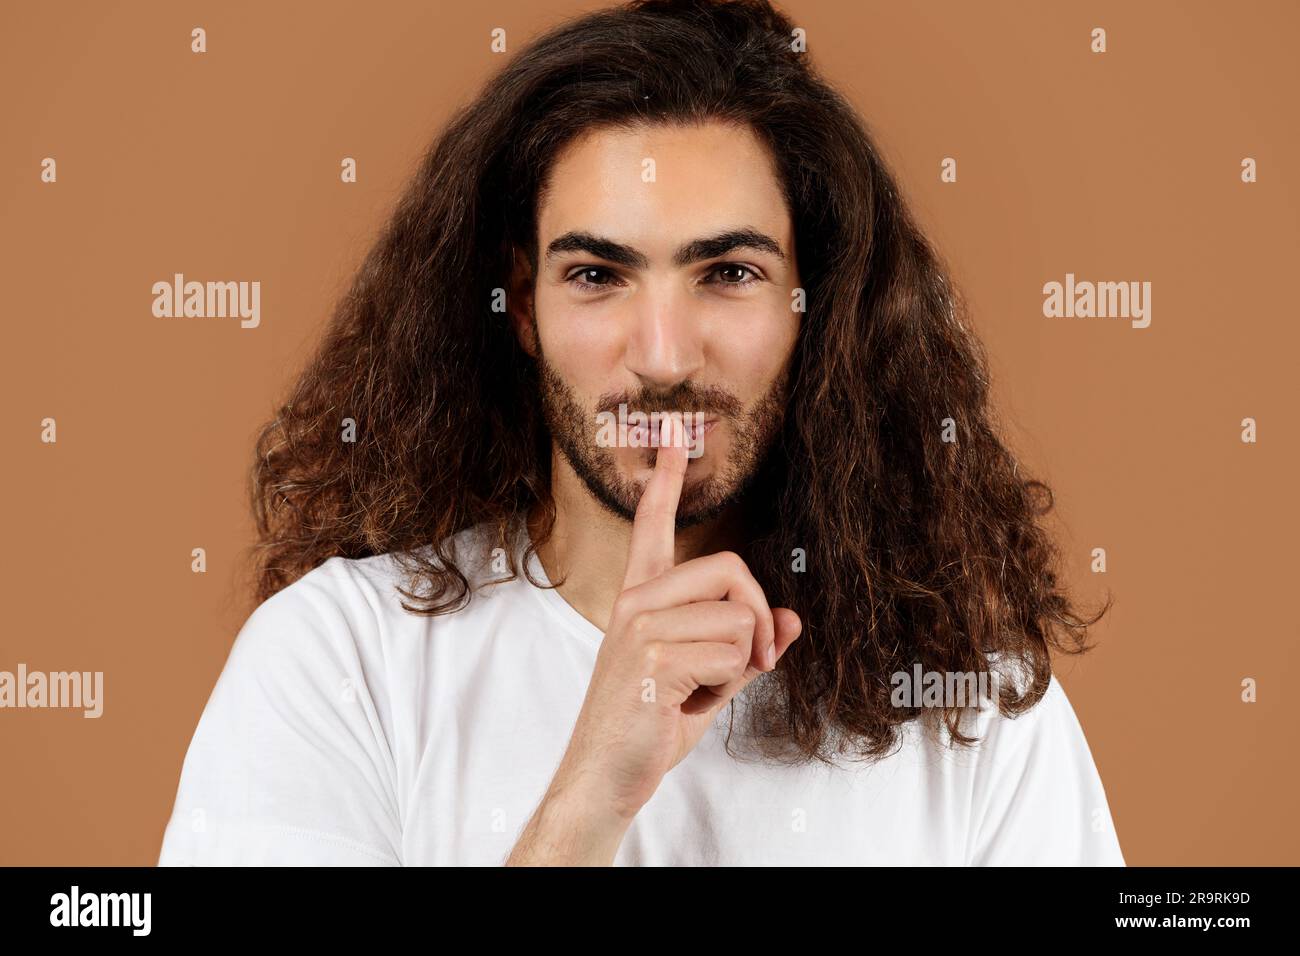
519, 302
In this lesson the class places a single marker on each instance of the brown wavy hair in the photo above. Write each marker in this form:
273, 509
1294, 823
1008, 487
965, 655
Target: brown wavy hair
918, 550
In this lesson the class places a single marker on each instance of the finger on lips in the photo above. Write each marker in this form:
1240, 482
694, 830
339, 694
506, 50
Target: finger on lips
653, 580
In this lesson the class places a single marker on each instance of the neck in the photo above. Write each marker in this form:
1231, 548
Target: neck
588, 545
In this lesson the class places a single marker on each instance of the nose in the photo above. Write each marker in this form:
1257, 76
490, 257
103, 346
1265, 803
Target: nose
665, 345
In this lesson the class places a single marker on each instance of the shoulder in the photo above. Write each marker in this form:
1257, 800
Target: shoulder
324, 633
293, 758
1049, 718
1037, 793
336, 603
357, 603
356, 594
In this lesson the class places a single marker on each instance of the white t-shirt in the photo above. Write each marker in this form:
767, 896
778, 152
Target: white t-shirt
345, 730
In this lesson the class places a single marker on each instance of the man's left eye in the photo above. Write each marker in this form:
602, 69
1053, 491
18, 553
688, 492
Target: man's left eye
731, 273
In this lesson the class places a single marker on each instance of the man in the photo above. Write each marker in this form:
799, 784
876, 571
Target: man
644, 468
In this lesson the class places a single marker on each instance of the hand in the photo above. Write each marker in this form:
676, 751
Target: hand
683, 641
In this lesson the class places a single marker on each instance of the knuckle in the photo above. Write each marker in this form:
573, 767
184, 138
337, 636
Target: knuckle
734, 562
625, 606
653, 655
733, 660
743, 618
639, 624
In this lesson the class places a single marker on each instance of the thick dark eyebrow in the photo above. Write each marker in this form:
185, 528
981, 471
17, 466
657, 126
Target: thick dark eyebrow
696, 251
601, 248
723, 243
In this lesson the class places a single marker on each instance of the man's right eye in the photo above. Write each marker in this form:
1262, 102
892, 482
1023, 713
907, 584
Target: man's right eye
591, 278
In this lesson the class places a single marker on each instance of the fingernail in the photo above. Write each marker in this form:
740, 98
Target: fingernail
770, 656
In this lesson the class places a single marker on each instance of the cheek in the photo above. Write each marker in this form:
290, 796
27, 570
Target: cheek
754, 360
581, 344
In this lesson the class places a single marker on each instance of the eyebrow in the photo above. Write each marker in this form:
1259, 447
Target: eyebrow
694, 251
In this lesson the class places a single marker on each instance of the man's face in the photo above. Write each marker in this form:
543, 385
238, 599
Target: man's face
665, 280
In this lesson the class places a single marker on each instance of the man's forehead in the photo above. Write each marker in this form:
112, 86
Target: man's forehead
659, 188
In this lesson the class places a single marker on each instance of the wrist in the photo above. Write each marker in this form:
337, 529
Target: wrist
576, 824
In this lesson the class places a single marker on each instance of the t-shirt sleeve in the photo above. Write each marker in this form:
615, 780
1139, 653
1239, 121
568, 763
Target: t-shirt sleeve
1038, 799
290, 764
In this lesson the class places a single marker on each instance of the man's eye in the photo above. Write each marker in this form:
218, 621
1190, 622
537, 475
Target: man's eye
591, 277
733, 273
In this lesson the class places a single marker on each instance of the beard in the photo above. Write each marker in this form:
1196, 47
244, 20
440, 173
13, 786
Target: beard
752, 433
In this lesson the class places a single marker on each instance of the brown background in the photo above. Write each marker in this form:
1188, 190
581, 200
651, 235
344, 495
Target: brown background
225, 166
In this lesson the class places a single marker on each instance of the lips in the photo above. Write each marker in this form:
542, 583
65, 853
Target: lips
648, 437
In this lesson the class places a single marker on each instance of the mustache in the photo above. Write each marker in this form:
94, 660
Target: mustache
683, 397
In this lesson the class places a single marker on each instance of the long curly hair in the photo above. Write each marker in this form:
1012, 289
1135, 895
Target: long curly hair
916, 548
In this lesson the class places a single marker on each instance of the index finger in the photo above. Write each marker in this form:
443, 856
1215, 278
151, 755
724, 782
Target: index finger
651, 551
